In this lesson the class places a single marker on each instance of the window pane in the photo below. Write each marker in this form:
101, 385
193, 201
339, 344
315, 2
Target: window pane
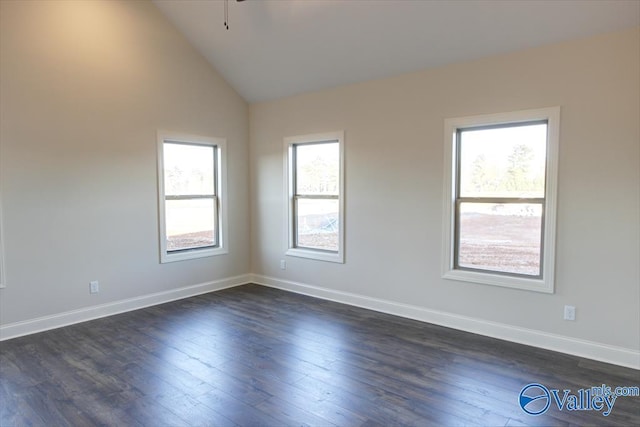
501, 237
503, 162
317, 224
190, 224
317, 168
188, 169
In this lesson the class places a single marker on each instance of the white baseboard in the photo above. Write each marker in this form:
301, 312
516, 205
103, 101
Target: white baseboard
588, 349
40, 324
577, 347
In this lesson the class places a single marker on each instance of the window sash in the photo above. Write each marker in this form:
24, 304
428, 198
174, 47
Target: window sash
296, 228
294, 166
214, 159
216, 223
502, 201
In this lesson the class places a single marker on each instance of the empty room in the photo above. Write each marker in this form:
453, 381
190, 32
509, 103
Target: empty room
319, 213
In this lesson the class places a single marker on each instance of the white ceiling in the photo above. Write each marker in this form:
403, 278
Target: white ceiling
279, 48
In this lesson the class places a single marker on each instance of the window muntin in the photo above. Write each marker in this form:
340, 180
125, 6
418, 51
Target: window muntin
500, 206
190, 190
315, 201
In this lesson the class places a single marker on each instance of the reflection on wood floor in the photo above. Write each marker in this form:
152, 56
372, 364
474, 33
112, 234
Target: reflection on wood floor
252, 356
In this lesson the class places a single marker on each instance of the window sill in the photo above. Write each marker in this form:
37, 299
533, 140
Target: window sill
523, 283
193, 254
336, 257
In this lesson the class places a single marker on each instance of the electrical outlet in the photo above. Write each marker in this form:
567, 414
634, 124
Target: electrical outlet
94, 287
283, 264
569, 312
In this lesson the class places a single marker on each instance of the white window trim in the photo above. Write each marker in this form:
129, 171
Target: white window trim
546, 283
221, 196
290, 250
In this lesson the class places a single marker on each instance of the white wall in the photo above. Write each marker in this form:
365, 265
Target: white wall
85, 85
394, 186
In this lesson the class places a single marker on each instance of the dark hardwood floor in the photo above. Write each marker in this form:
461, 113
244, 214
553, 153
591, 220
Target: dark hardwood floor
255, 356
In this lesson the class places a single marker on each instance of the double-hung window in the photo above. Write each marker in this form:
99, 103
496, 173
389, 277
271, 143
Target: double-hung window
315, 202
191, 196
501, 195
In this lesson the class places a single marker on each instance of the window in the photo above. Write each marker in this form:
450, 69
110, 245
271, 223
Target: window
501, 195
191, 188
315, 202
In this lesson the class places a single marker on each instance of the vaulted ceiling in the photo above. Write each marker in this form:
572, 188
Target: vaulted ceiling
280, 48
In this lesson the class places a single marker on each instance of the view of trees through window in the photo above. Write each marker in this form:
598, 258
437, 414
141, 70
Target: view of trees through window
501, 198
190, 205
317, 180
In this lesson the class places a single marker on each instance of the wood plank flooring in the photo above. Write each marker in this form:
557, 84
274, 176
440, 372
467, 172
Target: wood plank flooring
254, 356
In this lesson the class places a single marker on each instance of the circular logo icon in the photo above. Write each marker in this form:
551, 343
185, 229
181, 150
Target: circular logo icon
534, 399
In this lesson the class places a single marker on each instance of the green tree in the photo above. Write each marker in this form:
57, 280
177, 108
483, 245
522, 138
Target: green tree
485, 177
479, 175
318, 176
518, 171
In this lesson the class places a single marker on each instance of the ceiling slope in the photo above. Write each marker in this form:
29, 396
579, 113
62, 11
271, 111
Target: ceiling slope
275, 49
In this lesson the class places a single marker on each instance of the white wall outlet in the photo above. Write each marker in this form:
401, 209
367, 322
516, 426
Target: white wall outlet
569, 312
94, 287
283, 264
